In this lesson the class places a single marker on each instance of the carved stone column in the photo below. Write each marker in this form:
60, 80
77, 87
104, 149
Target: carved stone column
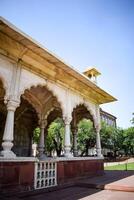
67, 144
75, 150
41, 146
98, 142
9, 130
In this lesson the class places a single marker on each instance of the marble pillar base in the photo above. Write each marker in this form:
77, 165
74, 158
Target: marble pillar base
67, 153
7, 154
42, 157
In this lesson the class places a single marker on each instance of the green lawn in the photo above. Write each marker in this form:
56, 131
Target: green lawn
130, 166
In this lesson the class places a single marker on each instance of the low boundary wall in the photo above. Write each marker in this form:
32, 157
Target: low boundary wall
19, 174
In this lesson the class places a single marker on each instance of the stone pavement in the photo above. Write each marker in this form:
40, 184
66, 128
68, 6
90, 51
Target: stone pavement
87, 189
78, 193
111, 180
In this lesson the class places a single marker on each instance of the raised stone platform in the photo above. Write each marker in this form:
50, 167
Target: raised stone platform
70, 170
18, 174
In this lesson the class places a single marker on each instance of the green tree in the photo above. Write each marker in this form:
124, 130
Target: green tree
117, 139
54, 139
36, 135
86, 136
105, 133
128, 143
111, 138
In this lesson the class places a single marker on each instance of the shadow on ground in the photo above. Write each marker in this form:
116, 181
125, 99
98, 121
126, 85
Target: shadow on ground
82, 189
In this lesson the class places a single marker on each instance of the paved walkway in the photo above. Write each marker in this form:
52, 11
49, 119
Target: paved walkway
112, 180
78, 193
88, 189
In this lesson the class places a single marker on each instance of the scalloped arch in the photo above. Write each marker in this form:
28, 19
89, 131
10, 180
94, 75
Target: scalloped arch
87, 106
48, 112
46, 87
35, 107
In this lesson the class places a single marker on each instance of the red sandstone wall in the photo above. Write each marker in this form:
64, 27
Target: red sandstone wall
16, 176
19, 176
71, 170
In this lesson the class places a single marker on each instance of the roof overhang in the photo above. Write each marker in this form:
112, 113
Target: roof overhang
18, 46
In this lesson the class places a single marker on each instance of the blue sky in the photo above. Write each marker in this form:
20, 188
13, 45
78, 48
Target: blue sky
86, 33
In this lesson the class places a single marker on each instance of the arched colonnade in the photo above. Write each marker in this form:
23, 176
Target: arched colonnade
30, 105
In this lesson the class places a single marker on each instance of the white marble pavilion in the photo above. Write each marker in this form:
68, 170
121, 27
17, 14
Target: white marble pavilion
36, 87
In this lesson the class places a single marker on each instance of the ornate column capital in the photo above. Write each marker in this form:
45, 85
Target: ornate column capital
12, 105
67, 120
43, 123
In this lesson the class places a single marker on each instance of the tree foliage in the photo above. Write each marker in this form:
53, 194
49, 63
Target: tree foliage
55, 137
128, 143
115, 139
86, 136
36, 135
111, 138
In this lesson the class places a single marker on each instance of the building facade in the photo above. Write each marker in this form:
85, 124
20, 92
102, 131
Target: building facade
109, 119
